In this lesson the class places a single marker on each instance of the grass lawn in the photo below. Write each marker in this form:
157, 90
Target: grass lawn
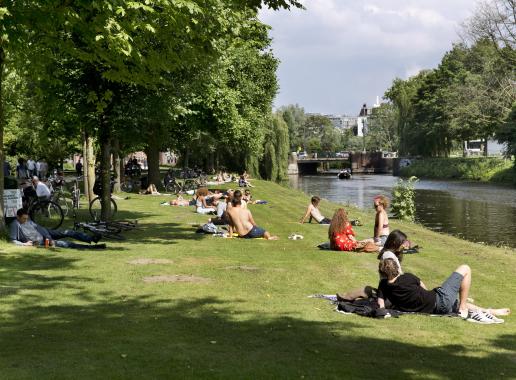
74, 314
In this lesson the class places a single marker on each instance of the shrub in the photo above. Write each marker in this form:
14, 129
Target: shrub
403, 202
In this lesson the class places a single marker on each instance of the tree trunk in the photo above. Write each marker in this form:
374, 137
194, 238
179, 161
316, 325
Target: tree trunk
2, 158
88, 166
186, 158
105, 169
116, 165
152, 152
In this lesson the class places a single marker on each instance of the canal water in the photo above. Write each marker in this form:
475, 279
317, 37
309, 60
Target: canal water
478, 212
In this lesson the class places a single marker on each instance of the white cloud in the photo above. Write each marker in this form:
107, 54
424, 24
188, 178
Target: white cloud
339, 53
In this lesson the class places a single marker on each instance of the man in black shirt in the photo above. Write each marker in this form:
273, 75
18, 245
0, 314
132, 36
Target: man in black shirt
407, 293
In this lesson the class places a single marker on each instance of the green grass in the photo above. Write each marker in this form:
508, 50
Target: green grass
72, 314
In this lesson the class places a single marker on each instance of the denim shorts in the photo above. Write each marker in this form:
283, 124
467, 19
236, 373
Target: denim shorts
446, 300
256, 232
383, 239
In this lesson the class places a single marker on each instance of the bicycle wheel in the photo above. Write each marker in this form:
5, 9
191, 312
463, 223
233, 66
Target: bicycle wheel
127, 186
76, 198
63, 203
95, 208
47, 214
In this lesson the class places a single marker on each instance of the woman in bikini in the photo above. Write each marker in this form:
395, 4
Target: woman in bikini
381, 221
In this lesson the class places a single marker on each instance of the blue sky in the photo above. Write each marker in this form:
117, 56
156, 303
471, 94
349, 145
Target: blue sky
338, 54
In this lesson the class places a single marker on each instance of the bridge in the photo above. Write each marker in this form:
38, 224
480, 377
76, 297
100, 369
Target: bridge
369, 162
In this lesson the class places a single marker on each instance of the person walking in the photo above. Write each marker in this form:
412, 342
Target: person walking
31, 167
78, 168
21, 169
43, 169
38, 168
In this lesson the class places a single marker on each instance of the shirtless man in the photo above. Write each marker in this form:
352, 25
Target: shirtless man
242, 221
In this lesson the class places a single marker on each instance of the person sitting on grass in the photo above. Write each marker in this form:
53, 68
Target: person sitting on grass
241, 220
201, 204
340, 233
408, 293
381, 221
150, 190
24, 232
313, 212
243, 181
393, 249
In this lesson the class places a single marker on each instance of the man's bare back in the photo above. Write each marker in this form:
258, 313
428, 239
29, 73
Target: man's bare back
241, 220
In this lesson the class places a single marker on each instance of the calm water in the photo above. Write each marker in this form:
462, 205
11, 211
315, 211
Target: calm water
475, 211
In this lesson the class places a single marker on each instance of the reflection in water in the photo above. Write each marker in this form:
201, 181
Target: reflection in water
475, 211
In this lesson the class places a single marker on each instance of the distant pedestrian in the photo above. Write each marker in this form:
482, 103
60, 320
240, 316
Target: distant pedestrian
43, 169
7, 169
38, 168
31, 167
21, 169
78, 168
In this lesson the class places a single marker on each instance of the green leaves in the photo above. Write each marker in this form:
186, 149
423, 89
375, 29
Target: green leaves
403, 199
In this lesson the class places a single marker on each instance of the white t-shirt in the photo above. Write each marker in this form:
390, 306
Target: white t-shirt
42, 190
31, 165
391, 255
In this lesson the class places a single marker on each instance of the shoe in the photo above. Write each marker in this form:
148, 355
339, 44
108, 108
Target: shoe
493, 318
479, 317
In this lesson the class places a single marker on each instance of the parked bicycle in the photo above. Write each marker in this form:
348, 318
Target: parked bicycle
56, 185
129, 184
44, 212
95, 206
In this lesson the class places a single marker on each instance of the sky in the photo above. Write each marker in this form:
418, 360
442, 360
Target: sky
338, 54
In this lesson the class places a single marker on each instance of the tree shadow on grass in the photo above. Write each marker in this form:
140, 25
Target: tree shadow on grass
164, 233
138, 337
16, 272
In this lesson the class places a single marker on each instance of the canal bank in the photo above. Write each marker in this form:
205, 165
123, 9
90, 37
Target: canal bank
476, 211
485, 169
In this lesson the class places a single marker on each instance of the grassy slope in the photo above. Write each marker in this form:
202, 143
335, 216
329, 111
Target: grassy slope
69, 314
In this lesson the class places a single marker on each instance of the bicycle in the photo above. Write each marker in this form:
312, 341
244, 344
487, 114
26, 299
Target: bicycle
173, 186
129, 184
76, 194
45, 212
100, 228
95, 208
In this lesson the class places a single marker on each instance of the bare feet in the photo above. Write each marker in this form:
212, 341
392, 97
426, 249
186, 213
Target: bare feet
499, 311
273, 238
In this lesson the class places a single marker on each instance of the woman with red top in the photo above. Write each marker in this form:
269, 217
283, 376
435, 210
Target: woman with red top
340, 233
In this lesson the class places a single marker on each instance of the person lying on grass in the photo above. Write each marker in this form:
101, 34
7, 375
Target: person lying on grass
408, 293
393, 249
24, 232
241, 220
179, 201
312, 211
